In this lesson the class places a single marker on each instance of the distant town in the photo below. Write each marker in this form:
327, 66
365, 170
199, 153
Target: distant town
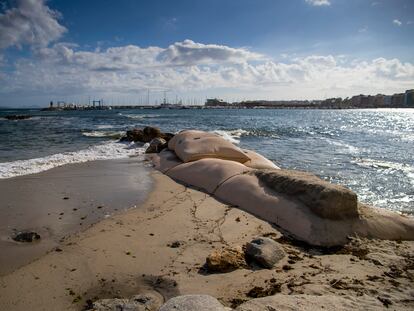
399, 100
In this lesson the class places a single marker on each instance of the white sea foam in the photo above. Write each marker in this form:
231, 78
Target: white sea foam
342, 145
139, 116
233, 135
109, 150
105, 126
407, 169
109, 134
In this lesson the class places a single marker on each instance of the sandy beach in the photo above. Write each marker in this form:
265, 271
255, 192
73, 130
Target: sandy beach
161, 246
65, 200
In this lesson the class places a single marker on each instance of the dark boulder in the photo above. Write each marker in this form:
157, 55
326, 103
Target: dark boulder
17, 117
146, 135
26, 236
156, 145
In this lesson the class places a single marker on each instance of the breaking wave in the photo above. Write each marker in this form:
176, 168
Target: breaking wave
107, 151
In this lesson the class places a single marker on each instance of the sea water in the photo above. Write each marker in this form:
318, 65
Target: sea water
370, 151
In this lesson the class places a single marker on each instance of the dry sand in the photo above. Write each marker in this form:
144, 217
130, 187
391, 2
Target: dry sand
131, 252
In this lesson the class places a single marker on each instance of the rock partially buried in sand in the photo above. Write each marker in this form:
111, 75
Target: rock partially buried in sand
156, 145
142, 302
225, 260
323, 198
27, 237
265, 252
193, 303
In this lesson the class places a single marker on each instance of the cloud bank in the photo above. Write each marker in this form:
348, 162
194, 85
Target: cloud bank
188, 66
31, 22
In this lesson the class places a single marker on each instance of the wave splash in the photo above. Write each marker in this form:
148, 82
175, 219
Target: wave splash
101, 134
106, 151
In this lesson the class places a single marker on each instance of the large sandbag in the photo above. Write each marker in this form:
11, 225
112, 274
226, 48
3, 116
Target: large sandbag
291, 215
191, 146
164, 161
188, 134
207, 174
325, 199
258, 161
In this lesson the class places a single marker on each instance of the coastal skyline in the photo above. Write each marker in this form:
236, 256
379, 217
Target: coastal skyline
303, 49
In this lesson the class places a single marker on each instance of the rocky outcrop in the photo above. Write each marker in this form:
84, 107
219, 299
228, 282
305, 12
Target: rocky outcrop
146, 135
265, 252
26, 236
17, 117
323, 198
157, 145
142, 302
304, 206
192, 303
225, 260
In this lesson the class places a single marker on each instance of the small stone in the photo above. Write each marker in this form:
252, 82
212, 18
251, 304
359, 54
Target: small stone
143, 302
192, 303
26, 237
175, 244
264, 251
225, 260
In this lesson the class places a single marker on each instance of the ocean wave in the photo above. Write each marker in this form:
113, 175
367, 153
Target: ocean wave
387, 166
107, 151
231, 135
342, 145
101, 134
105, 126
140, 116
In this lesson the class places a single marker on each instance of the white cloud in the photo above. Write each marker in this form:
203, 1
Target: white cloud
318, 2
397, 22
363, 29
31, 22
186, 67
188, 52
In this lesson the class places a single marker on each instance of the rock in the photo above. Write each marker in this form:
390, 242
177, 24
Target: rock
192, 303
17, 117
323, 198
168, 136
225, 260
142, 302
282, 302
27, 236
264, 251
156, 145
146, 135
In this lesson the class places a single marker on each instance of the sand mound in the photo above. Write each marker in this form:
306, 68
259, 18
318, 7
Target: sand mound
323, 198
195, 145
207, 174
258, 161
303, 205
163, 161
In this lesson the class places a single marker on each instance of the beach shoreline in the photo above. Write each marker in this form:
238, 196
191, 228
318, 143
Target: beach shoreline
65, 200
161, 246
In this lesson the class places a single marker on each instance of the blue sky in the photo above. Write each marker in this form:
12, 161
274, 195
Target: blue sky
235, 49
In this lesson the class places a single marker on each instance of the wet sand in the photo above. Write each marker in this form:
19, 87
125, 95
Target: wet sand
65, 200
131, 253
